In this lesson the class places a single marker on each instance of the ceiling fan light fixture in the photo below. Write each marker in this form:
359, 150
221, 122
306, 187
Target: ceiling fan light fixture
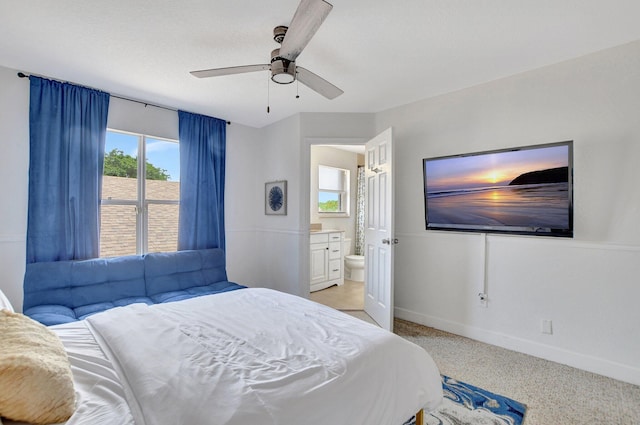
283, 71
283, 74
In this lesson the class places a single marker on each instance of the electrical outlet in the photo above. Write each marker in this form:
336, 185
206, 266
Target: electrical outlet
483, 299
546, 327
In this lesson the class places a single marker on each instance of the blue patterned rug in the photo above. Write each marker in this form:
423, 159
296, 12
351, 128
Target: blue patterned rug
465, 404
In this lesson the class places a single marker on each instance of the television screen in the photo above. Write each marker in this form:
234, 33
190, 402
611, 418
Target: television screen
525, 190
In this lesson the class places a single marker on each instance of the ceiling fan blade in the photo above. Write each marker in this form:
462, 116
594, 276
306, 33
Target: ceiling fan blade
216, 72
306, 21
317, 83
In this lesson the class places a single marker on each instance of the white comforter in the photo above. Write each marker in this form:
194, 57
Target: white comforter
260, 356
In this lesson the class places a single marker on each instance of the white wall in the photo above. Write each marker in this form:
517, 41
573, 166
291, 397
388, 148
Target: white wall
14, 178
587, 286
263, 250
241, 207
137, 118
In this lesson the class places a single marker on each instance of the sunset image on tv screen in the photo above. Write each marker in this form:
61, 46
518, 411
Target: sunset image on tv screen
524, 189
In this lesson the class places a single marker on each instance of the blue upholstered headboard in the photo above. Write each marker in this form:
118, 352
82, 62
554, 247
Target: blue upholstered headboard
168, 271
77, 283
64, 291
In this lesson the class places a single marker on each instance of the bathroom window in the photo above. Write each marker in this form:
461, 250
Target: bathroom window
333, 190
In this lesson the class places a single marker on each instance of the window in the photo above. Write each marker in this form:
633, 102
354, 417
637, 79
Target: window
333, 190
139, 215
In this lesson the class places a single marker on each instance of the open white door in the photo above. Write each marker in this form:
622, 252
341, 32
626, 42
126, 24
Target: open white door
379, 230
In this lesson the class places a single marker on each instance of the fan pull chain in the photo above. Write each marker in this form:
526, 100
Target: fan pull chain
268, 94
297, 86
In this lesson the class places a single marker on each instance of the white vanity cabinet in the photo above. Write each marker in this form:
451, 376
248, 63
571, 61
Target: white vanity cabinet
326, 259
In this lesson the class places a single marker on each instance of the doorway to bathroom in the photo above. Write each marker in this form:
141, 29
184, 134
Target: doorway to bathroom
343, 211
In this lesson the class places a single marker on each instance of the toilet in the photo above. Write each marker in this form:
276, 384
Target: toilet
353, 263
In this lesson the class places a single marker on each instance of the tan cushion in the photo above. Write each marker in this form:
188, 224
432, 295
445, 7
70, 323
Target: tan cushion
36, 384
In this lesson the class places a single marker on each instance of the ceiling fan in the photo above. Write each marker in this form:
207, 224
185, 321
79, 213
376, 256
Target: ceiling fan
293, 39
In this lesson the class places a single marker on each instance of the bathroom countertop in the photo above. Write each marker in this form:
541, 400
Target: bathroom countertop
326, 231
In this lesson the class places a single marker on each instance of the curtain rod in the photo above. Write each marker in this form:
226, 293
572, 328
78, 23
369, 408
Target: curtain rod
23, 75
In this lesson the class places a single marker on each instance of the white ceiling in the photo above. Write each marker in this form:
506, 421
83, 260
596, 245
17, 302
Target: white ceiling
382, 53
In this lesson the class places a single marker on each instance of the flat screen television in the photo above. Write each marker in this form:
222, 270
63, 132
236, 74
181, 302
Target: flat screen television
526, 190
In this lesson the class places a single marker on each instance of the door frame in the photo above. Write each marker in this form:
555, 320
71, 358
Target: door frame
305, 197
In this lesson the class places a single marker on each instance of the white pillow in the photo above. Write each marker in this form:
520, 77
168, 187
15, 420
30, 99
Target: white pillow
5, 305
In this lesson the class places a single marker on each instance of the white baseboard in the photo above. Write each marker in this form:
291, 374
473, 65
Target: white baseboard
596, 365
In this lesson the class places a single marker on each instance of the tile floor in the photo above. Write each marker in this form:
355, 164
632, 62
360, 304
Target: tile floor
349, 296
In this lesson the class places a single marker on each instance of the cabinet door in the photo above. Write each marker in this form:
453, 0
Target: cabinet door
319, 262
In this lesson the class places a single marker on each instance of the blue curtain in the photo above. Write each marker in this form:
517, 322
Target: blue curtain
202, 164
67, 129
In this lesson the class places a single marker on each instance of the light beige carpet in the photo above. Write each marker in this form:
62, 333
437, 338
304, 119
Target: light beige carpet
555, 394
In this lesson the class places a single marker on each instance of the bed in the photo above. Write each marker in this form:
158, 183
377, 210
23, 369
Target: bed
253, 355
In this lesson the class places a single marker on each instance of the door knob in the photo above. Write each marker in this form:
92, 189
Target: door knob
390, 241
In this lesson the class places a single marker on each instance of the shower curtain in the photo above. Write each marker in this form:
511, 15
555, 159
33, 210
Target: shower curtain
360, 198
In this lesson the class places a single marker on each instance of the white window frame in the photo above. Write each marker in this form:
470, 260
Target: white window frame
141, 204
343, 194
